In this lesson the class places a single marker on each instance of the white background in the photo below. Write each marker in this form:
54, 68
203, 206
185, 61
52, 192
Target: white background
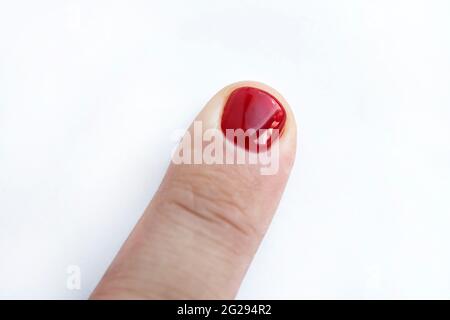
91, 91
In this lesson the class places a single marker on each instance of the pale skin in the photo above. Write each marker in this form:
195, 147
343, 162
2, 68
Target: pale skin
198, 235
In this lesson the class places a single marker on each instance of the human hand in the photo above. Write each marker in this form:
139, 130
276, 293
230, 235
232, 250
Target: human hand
200, 232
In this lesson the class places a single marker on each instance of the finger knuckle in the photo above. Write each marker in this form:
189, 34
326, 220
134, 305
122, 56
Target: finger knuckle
217, 199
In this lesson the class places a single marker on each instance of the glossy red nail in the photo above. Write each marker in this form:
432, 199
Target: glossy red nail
252, 108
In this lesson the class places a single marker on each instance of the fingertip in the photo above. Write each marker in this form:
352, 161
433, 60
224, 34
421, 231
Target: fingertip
212, 114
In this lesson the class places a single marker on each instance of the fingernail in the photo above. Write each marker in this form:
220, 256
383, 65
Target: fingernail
252, 108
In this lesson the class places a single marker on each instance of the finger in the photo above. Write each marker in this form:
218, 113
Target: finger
200, 232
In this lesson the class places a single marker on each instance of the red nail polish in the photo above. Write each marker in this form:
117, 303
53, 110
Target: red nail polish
252, 108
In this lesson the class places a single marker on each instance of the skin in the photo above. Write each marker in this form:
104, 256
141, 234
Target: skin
198, 235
